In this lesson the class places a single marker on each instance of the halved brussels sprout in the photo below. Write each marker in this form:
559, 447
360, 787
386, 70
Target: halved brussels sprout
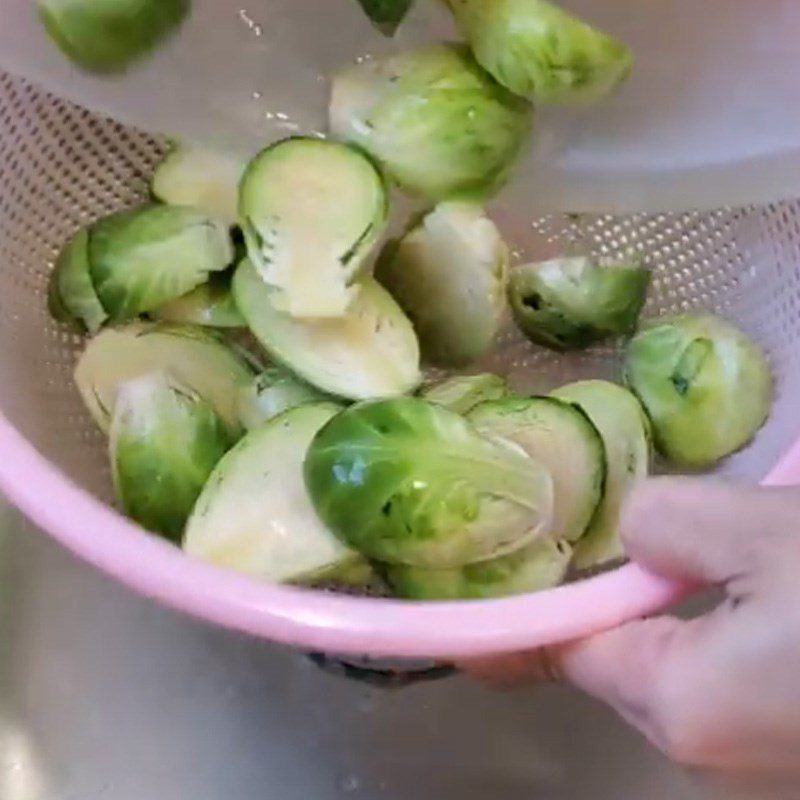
405, 481
561, 437
211, 305
539, 51
164, 442
141, 259
190, 356
625, 430
271, 393
440, 126
71, 291
570, 303
537, 566
705, 385
254, 515
311, 211
462, 393
370, 352
449, 274
205, 179
105, 36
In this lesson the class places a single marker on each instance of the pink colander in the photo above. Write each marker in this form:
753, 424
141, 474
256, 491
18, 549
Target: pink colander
61, 166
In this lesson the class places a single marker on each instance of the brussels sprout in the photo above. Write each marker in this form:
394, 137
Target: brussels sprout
141, 259
463, 392
192, 357
539, 51
72, 294
706, 387
561, 437
570, 303
440, 126
370, 352
537, 566
106, 36
254, 515
311, 211
205, 179
625, 430
210, 305
271, 393
386, 15
405, 481
164, 443
449, 274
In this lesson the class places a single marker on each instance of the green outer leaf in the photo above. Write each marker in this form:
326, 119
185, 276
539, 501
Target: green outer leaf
439, 126
106, 36
141, 259
622, 423
164, 443
561, 437
409, 482
461, 393
210, 305
71, 292
571, 303
386, 15
254, 515
705, 385
533, 568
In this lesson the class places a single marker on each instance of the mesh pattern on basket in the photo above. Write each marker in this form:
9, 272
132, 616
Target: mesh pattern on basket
62, 166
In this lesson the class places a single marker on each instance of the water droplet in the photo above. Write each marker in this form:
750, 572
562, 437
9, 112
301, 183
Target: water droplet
257, 95
349, 784
251, 24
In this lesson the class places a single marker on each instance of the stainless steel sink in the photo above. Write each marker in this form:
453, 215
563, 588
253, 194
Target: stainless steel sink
105, 696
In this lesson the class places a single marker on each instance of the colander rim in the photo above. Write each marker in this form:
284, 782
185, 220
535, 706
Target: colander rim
314, 620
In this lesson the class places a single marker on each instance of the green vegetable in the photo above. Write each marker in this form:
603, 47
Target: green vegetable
621, 421
570, 303
705, 385
463, 392
563, 439
164, 443
449, 274
205, 179
141, 259
72, 295
405, 481
210, 304
311, 211
192, 357
537, 566
440, 126
386, 15
271, 393
539, 51
106, 36
370, 352
254, 515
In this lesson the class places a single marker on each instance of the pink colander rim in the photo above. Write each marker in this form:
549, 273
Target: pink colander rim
316, 620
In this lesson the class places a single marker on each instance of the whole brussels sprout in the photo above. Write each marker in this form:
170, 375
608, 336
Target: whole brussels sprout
271, 393
164, 442
705, 385
409, 482
449, 274
106, 36
311, 210
211, 305
72, 294
437, 123
571, 303
539, 51
537, 566
141, 259
462, 393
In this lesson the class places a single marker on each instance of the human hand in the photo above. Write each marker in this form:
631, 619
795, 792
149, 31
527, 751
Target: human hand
721, 693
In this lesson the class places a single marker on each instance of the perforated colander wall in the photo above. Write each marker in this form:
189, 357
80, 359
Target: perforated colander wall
62, 166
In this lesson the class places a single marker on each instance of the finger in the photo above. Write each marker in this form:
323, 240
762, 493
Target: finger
706, 530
